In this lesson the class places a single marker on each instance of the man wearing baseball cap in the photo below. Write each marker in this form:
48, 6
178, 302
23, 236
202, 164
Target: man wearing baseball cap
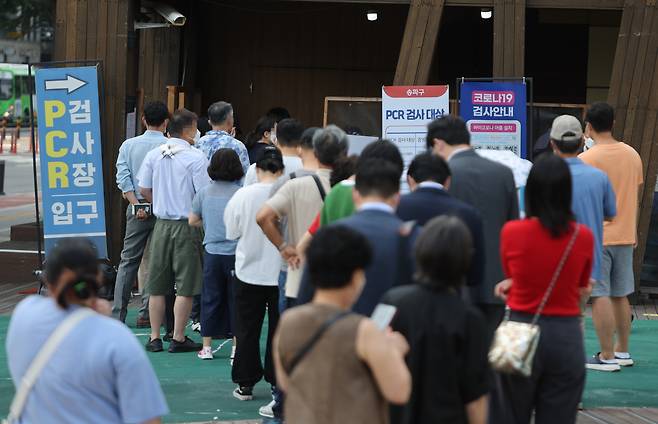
593, 201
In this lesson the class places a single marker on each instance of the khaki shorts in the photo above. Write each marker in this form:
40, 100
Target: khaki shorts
175, 258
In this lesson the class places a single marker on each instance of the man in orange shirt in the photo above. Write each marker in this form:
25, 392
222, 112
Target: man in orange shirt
610, 306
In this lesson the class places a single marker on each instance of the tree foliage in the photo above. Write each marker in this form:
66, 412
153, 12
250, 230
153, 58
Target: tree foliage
24, 16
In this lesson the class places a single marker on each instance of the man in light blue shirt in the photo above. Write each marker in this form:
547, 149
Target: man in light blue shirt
593, 199
220, 116
138, 228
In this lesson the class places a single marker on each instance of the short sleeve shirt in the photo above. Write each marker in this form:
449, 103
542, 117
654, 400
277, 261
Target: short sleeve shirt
215, 140
257, 260
300, 201
592, 201
290, 164
209, 204
339, 203
175, 172
623, 166
99, 374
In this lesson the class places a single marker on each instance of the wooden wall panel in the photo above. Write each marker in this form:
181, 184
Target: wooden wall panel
633, 93
293, 55
509, 38
159, 60
98, 29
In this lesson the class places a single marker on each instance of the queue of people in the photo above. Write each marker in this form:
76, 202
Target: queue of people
382, 306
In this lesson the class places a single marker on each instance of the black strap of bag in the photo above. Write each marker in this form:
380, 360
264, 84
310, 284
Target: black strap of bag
314, 339
318, 183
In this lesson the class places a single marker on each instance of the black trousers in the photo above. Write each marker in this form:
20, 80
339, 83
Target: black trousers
251, 303
556, 385
493, 316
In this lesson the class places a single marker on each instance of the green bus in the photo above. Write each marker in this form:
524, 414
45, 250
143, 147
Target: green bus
14, 92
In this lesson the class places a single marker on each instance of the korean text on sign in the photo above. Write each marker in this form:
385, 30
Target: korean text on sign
71, 162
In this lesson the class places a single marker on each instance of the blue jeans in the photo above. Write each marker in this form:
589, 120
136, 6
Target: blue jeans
282, 291
283, 305
217, 298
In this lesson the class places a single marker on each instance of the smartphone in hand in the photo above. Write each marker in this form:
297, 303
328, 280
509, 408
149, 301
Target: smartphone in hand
383, 315
146, 207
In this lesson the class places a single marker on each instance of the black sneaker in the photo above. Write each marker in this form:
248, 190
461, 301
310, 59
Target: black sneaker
188, 345
243, 393
168, 337
154, 345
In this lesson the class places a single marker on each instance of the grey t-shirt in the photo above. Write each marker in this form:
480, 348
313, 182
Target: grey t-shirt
209, 204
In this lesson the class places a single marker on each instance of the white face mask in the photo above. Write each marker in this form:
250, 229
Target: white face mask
273, 137
589, 143
197, 137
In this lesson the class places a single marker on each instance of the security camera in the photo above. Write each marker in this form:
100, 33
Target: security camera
173, 16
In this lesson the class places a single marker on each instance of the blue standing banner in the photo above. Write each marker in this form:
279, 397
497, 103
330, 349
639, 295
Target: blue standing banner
495, 114
70, 154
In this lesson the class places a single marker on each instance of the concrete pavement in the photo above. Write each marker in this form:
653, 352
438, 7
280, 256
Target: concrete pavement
17, 205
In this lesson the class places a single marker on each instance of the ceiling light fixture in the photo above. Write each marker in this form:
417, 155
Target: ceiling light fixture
486, 13
371, 15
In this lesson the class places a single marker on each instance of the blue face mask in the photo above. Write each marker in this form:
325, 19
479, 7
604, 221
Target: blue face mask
589, 143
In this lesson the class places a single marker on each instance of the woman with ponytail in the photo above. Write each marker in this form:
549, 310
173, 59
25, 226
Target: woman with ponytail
97, 372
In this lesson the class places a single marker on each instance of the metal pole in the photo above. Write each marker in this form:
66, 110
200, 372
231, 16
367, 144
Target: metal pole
2, 177
34, 168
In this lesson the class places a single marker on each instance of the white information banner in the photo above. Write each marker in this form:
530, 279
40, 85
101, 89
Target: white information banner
406, 111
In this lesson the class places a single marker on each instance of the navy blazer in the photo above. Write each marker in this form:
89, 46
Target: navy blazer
427, 202
489, 187
390, 267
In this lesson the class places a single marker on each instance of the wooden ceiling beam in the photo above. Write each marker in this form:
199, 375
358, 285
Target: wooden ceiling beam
418, 42
634, 95
509, 38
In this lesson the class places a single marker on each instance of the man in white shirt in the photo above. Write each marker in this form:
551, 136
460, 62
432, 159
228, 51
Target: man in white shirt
257, 264
169, 178
288, 134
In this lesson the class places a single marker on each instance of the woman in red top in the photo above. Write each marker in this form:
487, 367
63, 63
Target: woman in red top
530, 251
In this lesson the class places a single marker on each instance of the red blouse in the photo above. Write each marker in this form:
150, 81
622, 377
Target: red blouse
530, 256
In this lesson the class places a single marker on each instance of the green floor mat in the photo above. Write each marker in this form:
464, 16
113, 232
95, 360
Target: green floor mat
632, 386
202, 390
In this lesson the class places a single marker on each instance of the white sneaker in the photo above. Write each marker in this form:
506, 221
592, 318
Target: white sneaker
595, 363
205, 353
266, 411
625, 362
243, 393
